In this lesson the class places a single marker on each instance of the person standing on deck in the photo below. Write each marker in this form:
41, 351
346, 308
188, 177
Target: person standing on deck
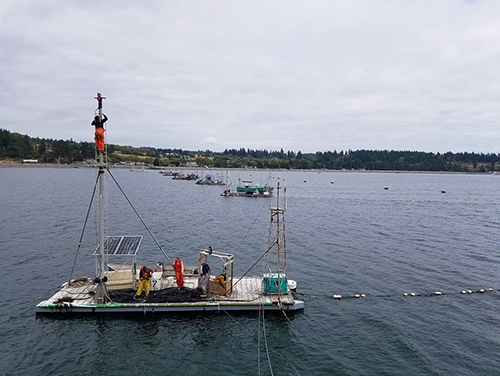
179, 272
145, 275
204, 278
99, 132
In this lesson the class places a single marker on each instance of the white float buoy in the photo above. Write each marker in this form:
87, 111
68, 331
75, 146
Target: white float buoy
481, 291
363, 295
405, 294
337, 296
463, 292
412, 294
438, 293
469, 291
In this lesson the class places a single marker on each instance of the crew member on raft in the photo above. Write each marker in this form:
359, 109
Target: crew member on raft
204, 278
99, 132
145, 275
179, 272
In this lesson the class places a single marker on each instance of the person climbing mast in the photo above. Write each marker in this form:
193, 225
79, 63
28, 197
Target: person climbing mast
98, 122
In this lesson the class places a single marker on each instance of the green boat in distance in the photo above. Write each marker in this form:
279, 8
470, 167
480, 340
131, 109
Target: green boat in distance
247, 187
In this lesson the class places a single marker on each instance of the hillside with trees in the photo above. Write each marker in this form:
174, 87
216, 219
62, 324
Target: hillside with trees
16, 147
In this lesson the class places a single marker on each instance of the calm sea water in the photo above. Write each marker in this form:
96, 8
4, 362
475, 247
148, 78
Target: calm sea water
346, 234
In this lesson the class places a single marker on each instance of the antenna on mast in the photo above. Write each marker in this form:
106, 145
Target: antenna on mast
99, 102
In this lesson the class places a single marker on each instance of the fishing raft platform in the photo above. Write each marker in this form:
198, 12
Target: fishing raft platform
113, 289
247, 295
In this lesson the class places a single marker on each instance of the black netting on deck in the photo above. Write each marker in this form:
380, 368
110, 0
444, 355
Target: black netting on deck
170, 295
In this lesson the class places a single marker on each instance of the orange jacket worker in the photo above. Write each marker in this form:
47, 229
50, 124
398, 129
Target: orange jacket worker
179, 272
99, 131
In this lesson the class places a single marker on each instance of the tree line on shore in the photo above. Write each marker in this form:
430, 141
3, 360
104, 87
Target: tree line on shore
17, 147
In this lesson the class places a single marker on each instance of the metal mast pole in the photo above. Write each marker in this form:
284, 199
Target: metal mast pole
278, 229
100, 257
278, 250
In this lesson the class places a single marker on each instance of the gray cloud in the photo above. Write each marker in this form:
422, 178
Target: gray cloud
309, 76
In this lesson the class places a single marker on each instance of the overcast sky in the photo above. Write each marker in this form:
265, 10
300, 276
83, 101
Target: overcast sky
298, 75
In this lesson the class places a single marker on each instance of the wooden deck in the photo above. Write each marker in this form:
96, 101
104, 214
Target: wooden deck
247, 294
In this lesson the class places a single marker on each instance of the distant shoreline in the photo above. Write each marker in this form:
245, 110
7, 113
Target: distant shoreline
163, 168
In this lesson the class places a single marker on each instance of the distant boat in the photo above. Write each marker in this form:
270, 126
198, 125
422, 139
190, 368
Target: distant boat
191, 176
210, 180
266, 194
248, 188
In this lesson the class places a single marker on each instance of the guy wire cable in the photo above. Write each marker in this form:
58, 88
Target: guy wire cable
255, 263
258, 343
140, 218
83, 230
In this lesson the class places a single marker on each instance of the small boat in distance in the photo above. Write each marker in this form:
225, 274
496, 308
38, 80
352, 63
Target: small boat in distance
247, 188
113, 288
211, 180
181, 176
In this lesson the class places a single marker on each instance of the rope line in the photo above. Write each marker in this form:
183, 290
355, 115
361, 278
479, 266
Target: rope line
21, 354
265, 342
258, 343
255, 337
286, 316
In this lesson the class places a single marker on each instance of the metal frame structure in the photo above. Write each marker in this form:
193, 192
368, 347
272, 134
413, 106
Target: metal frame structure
227, 260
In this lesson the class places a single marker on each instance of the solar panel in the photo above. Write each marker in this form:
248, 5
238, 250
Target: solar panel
121, 245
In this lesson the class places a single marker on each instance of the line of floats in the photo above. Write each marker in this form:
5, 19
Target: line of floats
412, 294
